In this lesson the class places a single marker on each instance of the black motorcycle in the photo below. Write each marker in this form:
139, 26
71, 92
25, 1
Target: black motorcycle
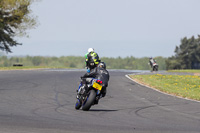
155, 67
88, 96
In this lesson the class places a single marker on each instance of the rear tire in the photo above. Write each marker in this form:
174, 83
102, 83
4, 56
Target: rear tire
156, 68
90, 100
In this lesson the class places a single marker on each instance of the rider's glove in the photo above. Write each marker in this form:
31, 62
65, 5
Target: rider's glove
88, 70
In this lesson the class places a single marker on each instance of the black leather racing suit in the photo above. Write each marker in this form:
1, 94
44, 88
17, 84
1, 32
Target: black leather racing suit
101, 74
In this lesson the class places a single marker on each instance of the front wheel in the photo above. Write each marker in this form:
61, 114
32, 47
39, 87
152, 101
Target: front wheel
90, 100
78, 104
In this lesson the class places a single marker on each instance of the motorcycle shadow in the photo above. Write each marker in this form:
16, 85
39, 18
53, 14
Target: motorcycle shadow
102, 110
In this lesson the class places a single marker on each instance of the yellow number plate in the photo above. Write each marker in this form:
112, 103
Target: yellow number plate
97, 86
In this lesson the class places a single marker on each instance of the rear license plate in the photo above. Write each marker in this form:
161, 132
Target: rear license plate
97, 86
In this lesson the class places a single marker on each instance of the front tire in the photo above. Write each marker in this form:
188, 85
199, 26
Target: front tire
90, 100
78, 105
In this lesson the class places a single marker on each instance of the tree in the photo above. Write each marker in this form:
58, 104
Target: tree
187, 55
15, 20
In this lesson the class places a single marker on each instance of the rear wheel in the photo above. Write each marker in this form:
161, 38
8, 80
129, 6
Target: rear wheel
156, 68
90, 100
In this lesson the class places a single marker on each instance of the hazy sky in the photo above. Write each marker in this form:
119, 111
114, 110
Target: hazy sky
113, 27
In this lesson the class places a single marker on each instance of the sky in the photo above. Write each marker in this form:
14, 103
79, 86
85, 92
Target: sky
139, 28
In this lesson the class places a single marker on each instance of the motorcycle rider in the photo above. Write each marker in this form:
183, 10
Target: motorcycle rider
151, 62
92, 59
100, 73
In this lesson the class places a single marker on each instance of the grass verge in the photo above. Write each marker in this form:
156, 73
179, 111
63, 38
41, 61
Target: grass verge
29, 68
186, 86
185, 71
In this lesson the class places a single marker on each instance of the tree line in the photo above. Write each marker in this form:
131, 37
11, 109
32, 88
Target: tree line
187, 55
78, 62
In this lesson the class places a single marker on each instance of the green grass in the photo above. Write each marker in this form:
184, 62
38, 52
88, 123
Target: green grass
29, 68
186, 86
185, 70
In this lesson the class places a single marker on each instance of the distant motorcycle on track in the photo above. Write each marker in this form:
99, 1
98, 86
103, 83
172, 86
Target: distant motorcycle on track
155, 67
153, 64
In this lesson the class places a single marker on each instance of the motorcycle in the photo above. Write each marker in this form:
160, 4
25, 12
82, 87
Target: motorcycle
88, 96
155, 67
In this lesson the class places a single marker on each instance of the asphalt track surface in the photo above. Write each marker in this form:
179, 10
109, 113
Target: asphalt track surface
42, 101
